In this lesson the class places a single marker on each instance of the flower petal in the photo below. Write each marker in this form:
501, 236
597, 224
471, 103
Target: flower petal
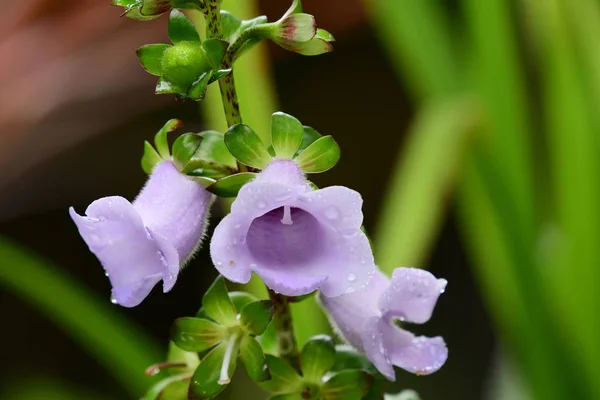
417, 354
339, 206
290, 285
134, 258
228, 250
412, 295
374, 343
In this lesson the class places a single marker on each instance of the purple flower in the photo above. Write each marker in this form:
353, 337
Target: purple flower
367, 320
295, 238
141, 243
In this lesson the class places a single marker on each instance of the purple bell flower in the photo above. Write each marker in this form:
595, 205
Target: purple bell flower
295, 238
146, 241
366, 319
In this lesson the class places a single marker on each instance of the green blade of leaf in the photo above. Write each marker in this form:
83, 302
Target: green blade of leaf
160, 139
196, 334
184, 148
347, 385
317, 358
287, 396
251, 354
320, 156
286, 135
163, 86
150, 57
245, 145
169, 388
205, 382
181, 29
283, 377
150, 158
230, 185
197, 90
215, 50
241, 299
217, 304
256, 316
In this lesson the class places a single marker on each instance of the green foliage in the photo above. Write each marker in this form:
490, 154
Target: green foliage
181, 29
217, 304
151, 157
230, 185
286, 135
319, 156
253, 358
245, 145
256, 316
317, 358
207, 381
196, 334
151, 56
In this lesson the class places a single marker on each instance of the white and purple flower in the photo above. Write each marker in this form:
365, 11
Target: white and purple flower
146, 241
295, 238
367, 320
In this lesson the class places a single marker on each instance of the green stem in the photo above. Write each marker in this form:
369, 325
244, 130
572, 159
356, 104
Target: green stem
284, 330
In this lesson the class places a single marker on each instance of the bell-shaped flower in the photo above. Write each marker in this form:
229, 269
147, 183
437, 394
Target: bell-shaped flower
295, 238
368, 319
146, 241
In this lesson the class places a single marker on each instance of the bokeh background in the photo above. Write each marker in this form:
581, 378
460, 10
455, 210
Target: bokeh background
470, 127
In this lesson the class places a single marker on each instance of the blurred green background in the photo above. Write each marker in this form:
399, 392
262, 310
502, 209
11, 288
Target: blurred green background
470, 127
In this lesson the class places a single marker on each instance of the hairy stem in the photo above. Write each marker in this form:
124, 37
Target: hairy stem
284, 330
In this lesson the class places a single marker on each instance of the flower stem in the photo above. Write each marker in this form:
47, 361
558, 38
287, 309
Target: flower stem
284, 330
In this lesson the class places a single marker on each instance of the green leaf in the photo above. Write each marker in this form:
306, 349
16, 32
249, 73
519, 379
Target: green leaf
245, 145
181, 29
286, 134
233, 28
150, 56
251, 354
219, 74
178, 355
323, 34
213, 149
230, 185
347, 385
203, 154
320, 156
150, 158
314, 47
160, 139
287, 396
197, 90
283, 377
167, 388
154, 7
196, 334
215, 50
295, 8
205, 382
184, 148
256, 316
240, 299
217, 304
308, 137
164, 86
348, 358
317, 358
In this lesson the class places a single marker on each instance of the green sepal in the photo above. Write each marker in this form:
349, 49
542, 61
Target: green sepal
197, 89
347, 385
296, 28
319, 156
150, 158
177, 355
196, 334
187, 4
163, 86
241, 299
217, 304
314, 47
325, 35
256, 316
231, 185
150, 57
169, 388
287, 396
160, 139
308, 137
181, 29
317, 357
253, 358
286, 135
215, 50
184, 149
219, 74
233, 27
203, 155
284, 379
295, 8
205, 382
245, 145
143, 10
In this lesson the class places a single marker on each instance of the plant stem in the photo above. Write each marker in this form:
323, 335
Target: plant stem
284, 330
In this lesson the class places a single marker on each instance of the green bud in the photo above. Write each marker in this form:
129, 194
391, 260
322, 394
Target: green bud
183, 63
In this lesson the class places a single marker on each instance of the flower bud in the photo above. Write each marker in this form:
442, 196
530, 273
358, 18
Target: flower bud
183, 63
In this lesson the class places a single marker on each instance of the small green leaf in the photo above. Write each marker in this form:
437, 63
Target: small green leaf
154, 7
196, 334
217, 304
348, 358
286, 134
347, 385
215, 50
177, 354
308, 137
230, 185
203, 154
184, 148
317, 358
219, 74
240, 299
323, 34
295, 8
168, 386
205, 382
164, 86
287, 396
213, 149
256, 316
150, 56
314, 47
320, 156
150, 158
252, 356
284, 379
181, 29
245, 145
160, 139
197, 90
233, 27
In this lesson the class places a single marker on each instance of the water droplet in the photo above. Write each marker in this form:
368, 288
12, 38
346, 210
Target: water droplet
351, 277
253, 265
113, 300
261, 204
219, 263
332, 213
350, 290
169, 276
106, 274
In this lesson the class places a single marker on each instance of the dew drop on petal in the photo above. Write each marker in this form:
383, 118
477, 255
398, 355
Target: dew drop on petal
351, 277
332, 213
113, 300
219, 263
